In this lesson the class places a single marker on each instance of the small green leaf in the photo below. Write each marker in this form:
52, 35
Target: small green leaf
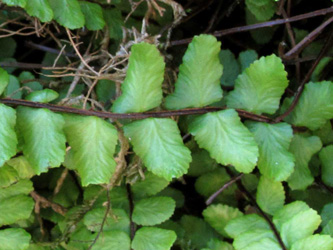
44, 139
198, 82
327, 213
8, 176
161, 147
275, 161
4, 80
152, 238
325, 133
303, 149
43, 96
219, 215
8, 139
13, 88
175, 194
260, 87
93, 142
263, 10
215, 244
154, 210
326, 158
113, 240
270, 195
227, 140
150, 185
142, 87
14, 239
93, 14
314, 242
22, 166
254, 237
114, 22
40, 9
15, 208
243, 224
230, 68
20, 3
68, 13
20, 187
328, 229
315, 106
246, 58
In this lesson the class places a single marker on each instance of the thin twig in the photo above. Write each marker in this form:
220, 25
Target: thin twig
48, 49
46, 203
225, 186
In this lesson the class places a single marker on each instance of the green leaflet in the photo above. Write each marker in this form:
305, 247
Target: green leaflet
314, 242
8, 176
20, 3
142, 87
303, 149
93, 15
275, 161
154, 210
93, 142
20, 187
160, 147
230, 68
114, 22
227, 140
14, 239
175, 194
68, 13
315, 106
152, 238
44, 139
215, 244
198, 82
15, 208
327, 213
326, 158
254, 237
259, 88
150, 185
247, 57
4, 80
40, 9
12, 89
270, 195
43, 96
263, 10
219, 215
328, 229
8, 139
264, 244
22, 166
113, 240
325, 133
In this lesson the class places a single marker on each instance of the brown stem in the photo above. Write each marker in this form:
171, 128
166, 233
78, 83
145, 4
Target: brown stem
46, 203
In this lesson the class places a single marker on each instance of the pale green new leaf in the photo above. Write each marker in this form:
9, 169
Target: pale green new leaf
270, 195
20, 3
227, 140
93, 15
43, 96
160, 146
68, 13
260, 87
40, 9
263, 10
15, 208
44, 140
93, 142
275, 161
315, 105
4, 80
142, 87
150, 185
303, 149
326, 158
314, 242
219, 215
264, 244
113, 240
152, 238
20, 187
243, 224
14, 239
252, 237
154, 210
22, 166
8, 139
198, 82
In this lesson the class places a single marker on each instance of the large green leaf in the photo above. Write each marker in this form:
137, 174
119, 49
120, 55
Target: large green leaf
227, 140
303, 149
14, 239
8, 140
326, 158
44, 139
142, 88
113, 240
263, 10
219, 215
93, 142
275, 161
40, 9
152, 238
198, 82
68, 13
314, 242
259, 88
270, 195
93, 14
15, 208
4, 80
20, 3
153, 210
161, 147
